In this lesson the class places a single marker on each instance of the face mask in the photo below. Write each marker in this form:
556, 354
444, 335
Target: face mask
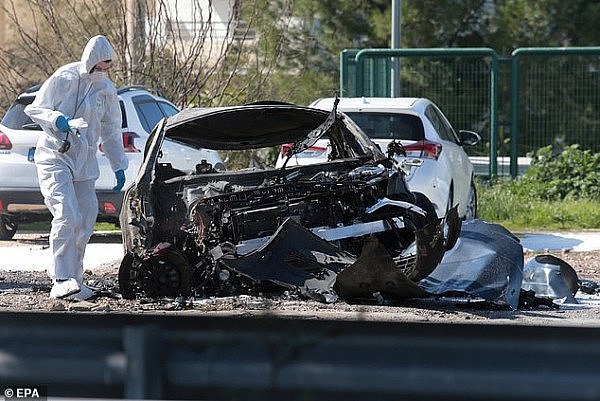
97, 76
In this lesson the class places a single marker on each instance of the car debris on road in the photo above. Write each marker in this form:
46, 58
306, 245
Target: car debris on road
347, 229
221, 232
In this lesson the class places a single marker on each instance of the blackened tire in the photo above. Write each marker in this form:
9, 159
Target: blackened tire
125, 277
160, 276
471, 212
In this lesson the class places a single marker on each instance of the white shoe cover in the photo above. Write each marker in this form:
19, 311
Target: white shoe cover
64, 288
85, 293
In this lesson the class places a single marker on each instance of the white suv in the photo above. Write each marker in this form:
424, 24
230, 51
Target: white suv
20, 198
446, 173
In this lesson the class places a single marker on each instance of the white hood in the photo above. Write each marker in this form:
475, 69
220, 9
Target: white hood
97, 49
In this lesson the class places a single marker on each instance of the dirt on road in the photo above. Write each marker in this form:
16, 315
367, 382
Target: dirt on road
29, 291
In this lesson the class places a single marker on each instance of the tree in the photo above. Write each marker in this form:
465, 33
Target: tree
190, 55
549, 23
288, 64
266, 49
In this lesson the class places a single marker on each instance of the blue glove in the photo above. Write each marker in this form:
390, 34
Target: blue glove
62, 123
120, 176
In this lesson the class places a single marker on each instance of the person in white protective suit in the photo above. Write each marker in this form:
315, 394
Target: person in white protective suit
76, 107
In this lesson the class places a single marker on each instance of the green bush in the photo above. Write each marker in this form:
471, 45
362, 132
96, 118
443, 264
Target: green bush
571, 174
560, 191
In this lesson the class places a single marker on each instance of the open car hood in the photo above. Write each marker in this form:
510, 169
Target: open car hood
244, 127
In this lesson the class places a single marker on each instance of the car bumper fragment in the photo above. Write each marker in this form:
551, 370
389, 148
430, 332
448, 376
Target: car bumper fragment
295, 258
485, 264
375, 274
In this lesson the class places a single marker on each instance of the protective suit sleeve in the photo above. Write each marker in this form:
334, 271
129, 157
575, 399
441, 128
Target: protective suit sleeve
110, 133
43, 109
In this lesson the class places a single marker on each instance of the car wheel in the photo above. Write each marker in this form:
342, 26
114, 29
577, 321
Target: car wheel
471, 211
449, 204
159, 276
452, 222
127, 276
8, 227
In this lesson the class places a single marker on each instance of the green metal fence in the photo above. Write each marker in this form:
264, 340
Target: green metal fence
461, 81
538, 97
555, 99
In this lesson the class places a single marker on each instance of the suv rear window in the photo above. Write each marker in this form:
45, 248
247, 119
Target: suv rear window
150, 111
389, 125
15, 118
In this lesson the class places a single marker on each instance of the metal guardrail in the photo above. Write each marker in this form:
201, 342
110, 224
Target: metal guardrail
202, 357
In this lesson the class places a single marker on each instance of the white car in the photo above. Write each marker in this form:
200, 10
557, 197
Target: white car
446, 173
141, 109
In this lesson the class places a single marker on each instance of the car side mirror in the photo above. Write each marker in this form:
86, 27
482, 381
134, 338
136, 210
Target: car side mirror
469, 138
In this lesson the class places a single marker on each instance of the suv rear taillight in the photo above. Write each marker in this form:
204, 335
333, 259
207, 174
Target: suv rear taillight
110, 208
285, 148
129, 142
424, 149
5, 143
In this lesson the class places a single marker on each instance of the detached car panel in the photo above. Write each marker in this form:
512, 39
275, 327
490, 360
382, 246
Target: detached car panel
220, 232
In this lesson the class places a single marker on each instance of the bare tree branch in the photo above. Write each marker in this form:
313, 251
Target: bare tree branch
191, 55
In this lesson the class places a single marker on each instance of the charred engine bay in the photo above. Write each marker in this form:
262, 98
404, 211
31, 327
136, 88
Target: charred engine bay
254, 231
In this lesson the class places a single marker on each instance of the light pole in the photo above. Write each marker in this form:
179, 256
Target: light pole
136, 37
395, 67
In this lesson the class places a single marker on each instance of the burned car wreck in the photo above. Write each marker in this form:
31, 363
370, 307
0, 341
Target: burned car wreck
346, 228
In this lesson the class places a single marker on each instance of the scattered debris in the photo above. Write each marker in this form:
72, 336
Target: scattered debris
58, 306
551, 277
529, 300
589, 287
81, 306
486, 263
